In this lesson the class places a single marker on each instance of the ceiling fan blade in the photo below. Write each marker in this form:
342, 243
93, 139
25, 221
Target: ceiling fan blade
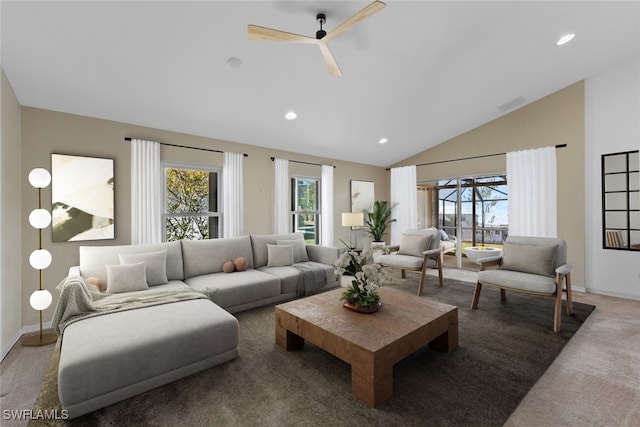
369, 10
256, 32
334, 70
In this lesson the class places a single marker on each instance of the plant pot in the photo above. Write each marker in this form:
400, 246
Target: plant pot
367, 309
377, 245
377, 248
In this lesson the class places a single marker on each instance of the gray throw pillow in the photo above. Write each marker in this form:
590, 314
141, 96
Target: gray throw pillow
414, 244
534, 259
279, 255
156, 265
299, 249
126, 278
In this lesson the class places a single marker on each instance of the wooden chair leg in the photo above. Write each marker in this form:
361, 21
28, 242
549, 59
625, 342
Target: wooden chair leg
503, 295
403, 274
567, 279
476, 296
422, 274
440, 270
557, 310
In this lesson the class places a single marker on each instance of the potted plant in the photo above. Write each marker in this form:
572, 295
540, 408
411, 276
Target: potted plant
368, 276
378, 220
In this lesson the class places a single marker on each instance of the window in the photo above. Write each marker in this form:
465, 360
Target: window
192, 208
305, 207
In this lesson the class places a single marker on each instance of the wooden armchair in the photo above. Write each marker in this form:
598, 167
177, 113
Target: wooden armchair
531, 265
418, 250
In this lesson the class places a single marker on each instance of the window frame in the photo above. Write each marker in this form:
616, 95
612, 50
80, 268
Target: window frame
209, 214
294, 198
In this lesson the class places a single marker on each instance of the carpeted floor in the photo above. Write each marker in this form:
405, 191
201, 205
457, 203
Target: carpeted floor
503, 349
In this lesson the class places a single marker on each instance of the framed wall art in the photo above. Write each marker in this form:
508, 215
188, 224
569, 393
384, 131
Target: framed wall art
82, 198
362, 196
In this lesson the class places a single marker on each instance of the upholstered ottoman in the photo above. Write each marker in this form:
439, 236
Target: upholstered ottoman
109, 358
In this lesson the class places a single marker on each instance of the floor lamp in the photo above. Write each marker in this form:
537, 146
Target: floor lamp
40, 258
352, 219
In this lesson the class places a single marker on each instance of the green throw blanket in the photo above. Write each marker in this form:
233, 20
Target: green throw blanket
78, 301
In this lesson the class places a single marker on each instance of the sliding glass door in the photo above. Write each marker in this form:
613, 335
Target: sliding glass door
472, 209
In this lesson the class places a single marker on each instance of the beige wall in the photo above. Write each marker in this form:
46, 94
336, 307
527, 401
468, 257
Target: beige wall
10, 216
555, 119
45, 132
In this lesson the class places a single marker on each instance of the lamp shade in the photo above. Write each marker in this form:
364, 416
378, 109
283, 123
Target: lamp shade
40, 259
40, 299
39, 178
352, 219
39, 218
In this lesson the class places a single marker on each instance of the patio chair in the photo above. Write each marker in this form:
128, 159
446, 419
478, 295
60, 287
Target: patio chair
418, 250
531, 265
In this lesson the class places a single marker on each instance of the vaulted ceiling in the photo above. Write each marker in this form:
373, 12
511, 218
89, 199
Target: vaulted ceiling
417, 73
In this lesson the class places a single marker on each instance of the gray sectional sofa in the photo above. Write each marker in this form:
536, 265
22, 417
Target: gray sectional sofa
111, 357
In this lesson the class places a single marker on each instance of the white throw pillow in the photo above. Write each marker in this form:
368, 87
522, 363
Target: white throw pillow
156, 265
299, 249
126, 278
414, 244
279, 255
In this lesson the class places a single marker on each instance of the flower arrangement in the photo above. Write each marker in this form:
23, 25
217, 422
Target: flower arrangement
368, 277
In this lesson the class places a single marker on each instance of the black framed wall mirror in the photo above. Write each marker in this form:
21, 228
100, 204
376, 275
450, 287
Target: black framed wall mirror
621, 201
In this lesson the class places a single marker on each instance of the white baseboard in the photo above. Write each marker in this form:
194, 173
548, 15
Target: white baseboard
613, 294
13, 342
25, 330
35, 328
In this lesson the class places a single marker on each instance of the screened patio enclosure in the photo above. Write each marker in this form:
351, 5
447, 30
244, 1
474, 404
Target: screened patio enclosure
473, 209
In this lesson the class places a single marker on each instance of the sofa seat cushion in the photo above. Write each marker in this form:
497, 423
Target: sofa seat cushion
137, 350
288, 277
237, 288
173, 284
291, 277
518, 280
404, 261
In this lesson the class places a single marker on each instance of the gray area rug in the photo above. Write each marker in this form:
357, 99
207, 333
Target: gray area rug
503, 349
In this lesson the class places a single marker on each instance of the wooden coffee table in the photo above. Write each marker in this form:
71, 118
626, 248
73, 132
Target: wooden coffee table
370, 343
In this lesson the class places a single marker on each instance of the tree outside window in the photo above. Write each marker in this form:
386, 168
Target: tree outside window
191, 203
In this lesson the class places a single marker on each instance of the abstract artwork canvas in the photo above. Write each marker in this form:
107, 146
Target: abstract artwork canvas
81, 198
362, 196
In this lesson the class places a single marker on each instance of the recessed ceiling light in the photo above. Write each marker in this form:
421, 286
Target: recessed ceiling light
383, 141
565, 39
291, 115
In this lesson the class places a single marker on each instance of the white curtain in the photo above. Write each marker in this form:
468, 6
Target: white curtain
326, 198
531, 176
146, 192
233, 195
281, 212
404, 201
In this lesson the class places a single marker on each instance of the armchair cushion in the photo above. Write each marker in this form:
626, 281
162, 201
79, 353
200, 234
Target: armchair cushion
404, 261
518, 280
534, 259
414, 244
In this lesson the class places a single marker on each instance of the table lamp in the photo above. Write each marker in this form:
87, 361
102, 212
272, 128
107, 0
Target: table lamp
352, 219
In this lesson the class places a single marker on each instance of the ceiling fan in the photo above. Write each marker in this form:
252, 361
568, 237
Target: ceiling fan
322, 37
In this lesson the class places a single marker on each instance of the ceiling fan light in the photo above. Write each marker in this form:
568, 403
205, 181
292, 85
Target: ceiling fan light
383, 141
565, 39
291, 115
